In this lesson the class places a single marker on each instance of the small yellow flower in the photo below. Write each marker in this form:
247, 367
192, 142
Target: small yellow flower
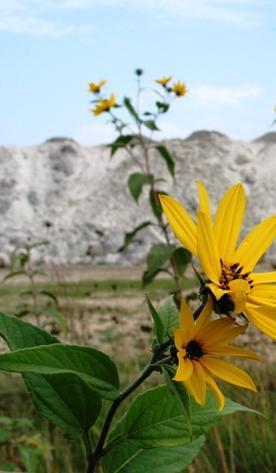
164, 80
104, 105
229, 267
200, 345
180, 89
95, 87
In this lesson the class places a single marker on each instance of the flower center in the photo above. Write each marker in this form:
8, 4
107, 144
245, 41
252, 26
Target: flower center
194, 350
229, 273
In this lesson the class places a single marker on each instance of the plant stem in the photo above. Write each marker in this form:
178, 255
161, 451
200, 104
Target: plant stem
147, 371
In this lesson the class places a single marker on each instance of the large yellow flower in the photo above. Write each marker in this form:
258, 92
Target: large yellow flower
164, 80
104, 105
229, 267
200, 345
95, 87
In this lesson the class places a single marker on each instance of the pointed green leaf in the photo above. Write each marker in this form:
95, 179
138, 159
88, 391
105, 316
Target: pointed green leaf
137, 181
121, 142
92, 366
66, 400
131, 110
158, 325
162, 106
169, 314
151, 125
128, 457
49, 394
155, 203
49, 294
163, 151
130, 235
154, 431
182, 258
158, 256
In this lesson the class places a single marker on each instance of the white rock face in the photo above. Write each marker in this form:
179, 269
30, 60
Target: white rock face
77, 197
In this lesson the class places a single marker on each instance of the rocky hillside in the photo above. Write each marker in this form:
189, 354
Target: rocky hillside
76, 197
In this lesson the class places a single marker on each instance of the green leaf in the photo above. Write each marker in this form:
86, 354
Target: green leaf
180, 393
19, 334
155, 203
14, 274
92, 366
166, 155
37, 244
131, 109
156, 425
169, 314
49, 294
18, 260
136, 181
162, 106
66, 400
151, 125
121, 142
154, 419
158, 256
130, 458
182, 258
130, 235
49, 393
158, 325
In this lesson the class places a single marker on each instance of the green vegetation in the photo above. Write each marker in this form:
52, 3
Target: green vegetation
106, 311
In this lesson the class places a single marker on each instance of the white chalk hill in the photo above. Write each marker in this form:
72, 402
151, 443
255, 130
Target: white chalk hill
77, 197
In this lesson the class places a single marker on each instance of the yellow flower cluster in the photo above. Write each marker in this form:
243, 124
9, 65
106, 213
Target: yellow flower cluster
179, 88
234, 290
95, 87
102, 104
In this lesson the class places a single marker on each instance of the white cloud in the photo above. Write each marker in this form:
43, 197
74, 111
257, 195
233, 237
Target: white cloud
45, 17
237, 12
206, 94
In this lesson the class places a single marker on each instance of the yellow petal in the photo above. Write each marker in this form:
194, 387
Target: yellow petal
204, 317
215, 330
228, 220
233, 351
180, 221
184, 370
256, 244
261, 278
198, 383
217, 392
187, 323
179, 338
204, 204
216, 290
207, 250
263, 294
239, 288
262, 318
223, 337
228, 372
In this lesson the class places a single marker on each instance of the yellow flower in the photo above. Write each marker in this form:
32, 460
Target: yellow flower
228, 267
199, 347
180, 89
95, 87
164, 80
104, 105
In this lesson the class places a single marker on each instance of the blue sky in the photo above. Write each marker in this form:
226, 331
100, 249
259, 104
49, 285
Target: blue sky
50, 49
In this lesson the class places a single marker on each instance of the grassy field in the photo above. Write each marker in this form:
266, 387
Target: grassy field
111, 314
